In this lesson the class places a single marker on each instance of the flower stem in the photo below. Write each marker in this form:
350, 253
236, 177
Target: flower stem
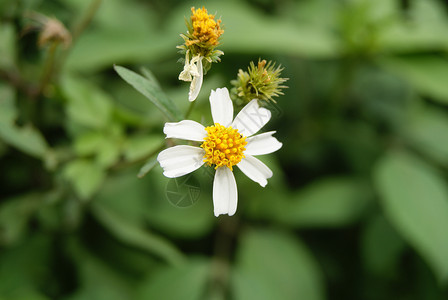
49, 67
190, 109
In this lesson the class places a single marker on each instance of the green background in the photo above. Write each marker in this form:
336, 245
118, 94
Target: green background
358, 204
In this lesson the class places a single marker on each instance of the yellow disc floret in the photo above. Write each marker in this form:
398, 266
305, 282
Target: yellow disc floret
224, 146
205, 29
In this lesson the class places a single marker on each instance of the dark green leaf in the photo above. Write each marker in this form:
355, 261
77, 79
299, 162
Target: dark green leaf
415, 198
138, 147
427, 131
97, 280
87, 104
24, 268
14, 216
273, 264
187, 282
85, 176
382, 248
136, 236
150, 90
26, 138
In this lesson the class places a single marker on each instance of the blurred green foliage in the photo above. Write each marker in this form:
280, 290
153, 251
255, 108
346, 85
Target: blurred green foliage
358, 204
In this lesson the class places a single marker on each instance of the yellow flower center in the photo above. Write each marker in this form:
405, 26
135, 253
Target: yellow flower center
224, 146
205, 29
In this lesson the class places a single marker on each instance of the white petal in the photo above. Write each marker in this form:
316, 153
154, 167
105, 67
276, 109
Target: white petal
251, 118
221, 107
255, 170
196, 83
186, 130
225, 194
263, 143
180, 160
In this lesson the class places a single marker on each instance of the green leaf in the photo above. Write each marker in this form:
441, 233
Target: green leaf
24, 268
426, 73
415, 199
138, 147
427, 131
273, 264
97, 280
152, 91
85, 176
87, 104
166, 215
135, 236
328, 202
14, 216
105, 145
187, 282
382, 248
26, 138
7, 46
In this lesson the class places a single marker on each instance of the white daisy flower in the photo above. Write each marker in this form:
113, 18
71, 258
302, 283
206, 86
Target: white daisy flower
193, 72
225, 144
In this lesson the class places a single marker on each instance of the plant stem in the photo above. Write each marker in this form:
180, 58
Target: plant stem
190, 109
49, 67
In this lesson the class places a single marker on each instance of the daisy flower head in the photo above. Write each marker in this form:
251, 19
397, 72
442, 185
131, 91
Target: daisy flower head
227, 143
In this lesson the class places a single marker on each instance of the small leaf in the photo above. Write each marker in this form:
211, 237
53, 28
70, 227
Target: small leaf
273, 264
104, 145
427, 131
382, 248
14, 216
97, 280
85, 176
87, 105
415, 199
150, 90
25, 268
187, 282
138, 147
132, 235
26, 138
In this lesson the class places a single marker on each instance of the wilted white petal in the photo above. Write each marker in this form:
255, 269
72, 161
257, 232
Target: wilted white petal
185, 75
263, 143
186, 130
225, 194
255, 170
196, 83
180, 160
221, 107
251, 118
